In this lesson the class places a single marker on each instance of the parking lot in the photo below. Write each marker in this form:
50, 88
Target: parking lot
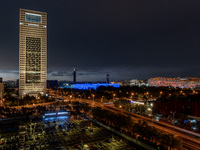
64, 133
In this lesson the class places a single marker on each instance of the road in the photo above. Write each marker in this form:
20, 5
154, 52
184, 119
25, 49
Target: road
33, 105
191, 140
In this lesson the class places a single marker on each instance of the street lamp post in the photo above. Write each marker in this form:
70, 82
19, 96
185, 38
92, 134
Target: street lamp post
173, 118
152, 115
122, 109
113, 96
132, 95
70, 98
93, 97
102, 99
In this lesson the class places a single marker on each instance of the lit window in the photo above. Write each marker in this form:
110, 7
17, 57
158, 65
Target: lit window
33, 17
35, 25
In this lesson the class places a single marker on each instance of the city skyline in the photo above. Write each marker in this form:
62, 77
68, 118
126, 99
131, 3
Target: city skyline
125, 40
106, 74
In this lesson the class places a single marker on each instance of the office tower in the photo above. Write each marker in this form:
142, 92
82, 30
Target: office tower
74, 75
32, 53
1, 79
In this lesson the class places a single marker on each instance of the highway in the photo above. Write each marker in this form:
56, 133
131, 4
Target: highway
190, 140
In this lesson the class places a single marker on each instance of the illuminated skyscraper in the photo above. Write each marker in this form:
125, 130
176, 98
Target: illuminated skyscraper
32, 53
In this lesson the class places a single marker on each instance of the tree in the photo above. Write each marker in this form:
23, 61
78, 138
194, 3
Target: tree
86, 107
26, 99
127, 107
129, 122
33, 99
182, 118
177, 143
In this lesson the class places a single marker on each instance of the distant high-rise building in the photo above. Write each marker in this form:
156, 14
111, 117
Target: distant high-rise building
1, 90
32, 53
1, 79
74, 75
108, 80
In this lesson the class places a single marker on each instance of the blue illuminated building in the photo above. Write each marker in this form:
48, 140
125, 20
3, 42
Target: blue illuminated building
88, 86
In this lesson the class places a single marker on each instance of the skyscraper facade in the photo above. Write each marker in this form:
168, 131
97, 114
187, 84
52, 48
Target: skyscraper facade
32, 53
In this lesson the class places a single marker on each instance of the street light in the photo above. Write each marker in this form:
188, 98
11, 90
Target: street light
113, 96
70, 97
120, 106
102, 98
132, 95
93, 97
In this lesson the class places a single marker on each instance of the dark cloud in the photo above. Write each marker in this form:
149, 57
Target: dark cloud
60, 73
127, 39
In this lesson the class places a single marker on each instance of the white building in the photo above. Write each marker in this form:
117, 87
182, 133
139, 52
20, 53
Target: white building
134, 82
32, 53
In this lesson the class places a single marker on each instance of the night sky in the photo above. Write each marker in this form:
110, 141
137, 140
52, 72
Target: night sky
126, 38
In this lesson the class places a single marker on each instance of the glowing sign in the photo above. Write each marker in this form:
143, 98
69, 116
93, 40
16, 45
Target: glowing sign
35, 25
50, 114
33, 17
62, 113
137, 102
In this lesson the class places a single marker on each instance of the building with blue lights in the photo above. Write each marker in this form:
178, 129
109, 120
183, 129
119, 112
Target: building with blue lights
88, 86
